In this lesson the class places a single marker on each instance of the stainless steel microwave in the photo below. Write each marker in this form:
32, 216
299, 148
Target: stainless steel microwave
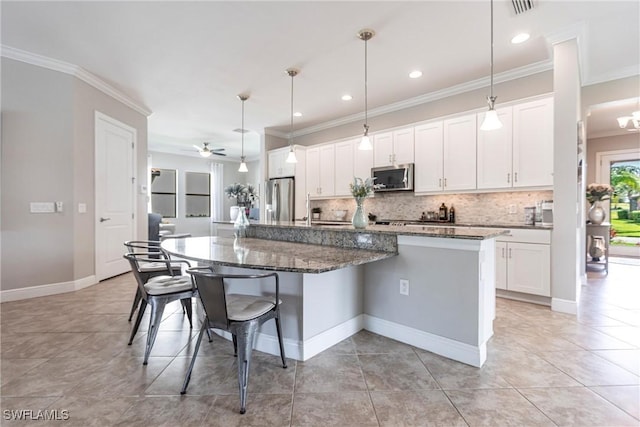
394, 178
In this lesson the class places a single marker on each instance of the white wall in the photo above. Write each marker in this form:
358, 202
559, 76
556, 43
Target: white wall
48, 155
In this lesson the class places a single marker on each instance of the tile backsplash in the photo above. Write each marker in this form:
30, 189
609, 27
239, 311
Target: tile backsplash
477, 208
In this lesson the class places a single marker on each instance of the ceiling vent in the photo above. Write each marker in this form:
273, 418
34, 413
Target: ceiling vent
521, 6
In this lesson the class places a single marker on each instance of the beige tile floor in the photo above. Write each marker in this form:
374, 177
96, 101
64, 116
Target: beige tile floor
68, 352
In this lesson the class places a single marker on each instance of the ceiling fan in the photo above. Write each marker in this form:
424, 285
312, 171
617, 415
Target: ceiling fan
205, 151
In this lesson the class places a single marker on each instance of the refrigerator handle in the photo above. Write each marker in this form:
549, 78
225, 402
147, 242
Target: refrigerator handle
275, 199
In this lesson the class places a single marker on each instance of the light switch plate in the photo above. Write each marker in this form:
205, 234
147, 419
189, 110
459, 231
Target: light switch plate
42, 207
82, 208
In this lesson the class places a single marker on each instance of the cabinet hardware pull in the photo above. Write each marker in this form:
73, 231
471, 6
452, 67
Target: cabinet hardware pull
105, 219
508, 178
515, 177
502, 252
440, 182
509, 253
445, 182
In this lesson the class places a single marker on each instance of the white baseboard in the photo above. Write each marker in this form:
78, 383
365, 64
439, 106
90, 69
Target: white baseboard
465, 353
46, 290
305, 350
564, 306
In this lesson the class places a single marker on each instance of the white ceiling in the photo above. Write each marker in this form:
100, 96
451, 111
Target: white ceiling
188, 61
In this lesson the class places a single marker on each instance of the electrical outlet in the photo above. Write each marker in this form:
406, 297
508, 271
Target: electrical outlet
512, 209
404, 287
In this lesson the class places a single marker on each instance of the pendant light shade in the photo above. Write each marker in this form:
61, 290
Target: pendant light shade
243, 164
291, 158
365, 142
491, 121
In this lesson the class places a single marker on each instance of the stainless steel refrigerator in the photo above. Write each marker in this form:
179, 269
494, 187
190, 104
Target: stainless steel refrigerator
280, 195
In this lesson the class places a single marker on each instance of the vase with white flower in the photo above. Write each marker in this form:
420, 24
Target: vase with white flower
236, 192
361, 189
596, 193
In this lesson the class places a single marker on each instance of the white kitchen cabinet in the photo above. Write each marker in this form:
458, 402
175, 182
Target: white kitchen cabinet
533, 143
395, 147
320, 171
445, 155
363, 162
520, 154
278, 166
523, 262
460, 153
428, 175
495, 147
344, 167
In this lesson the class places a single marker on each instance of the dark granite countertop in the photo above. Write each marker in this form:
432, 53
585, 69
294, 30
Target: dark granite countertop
270, 254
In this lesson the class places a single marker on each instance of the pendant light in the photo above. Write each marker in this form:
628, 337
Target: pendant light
291, 158
365, 142
243, 164
491, 120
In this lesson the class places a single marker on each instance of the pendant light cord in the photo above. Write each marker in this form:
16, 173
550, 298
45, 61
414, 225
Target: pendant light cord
366, 119
242, 130
291, 128
491, 49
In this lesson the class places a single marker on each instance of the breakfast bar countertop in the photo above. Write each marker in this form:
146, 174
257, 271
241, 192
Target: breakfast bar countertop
270, 254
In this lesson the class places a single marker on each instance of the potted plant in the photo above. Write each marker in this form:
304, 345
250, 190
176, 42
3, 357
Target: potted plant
235, 191
315, 212
361, 189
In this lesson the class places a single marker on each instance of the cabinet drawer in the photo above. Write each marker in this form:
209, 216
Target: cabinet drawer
526, 236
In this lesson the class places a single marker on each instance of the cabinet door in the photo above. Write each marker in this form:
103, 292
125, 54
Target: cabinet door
288, 169
344, 165
327, 170
494, 152
363, 162
533, 143
276, 160
403, 146
313, 171
382, 149
460, 153
528, 268
428, 157
501, 265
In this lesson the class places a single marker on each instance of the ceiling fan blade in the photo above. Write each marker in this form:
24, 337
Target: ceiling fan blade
218, 149
197, 148
218, 154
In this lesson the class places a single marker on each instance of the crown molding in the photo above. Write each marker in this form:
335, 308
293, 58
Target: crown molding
73, 70
506, 76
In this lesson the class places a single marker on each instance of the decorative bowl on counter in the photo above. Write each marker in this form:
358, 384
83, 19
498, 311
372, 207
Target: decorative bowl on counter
340, 214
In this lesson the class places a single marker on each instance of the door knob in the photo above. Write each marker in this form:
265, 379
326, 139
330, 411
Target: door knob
104, 219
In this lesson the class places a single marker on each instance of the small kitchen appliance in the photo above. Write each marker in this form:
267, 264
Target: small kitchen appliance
547, 213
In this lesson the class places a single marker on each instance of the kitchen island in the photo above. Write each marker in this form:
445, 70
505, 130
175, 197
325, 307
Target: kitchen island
336, 281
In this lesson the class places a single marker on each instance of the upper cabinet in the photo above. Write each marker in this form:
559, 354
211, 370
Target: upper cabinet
533, 143
344, 167
460, 153
495, 152
520, 154
278, 166
320, 171
393, 147
445, 155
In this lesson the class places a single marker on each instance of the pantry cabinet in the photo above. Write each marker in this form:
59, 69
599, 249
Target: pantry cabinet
320, 171
523, 262
394, 147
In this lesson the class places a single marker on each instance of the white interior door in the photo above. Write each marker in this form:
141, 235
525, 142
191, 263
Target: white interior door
114, 166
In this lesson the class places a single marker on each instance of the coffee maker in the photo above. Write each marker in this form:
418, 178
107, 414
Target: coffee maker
547, 213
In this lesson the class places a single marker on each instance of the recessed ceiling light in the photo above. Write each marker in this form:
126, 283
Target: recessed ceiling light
297, 114
415, 74
347, 97
520, 38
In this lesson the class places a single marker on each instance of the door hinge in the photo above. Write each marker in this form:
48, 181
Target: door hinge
133, 179
133, 216
133, 146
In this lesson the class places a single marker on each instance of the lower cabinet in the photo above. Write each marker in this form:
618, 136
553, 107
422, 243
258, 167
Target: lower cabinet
523, 262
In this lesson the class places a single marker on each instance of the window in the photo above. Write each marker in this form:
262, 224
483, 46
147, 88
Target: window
197, 195
163, 192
